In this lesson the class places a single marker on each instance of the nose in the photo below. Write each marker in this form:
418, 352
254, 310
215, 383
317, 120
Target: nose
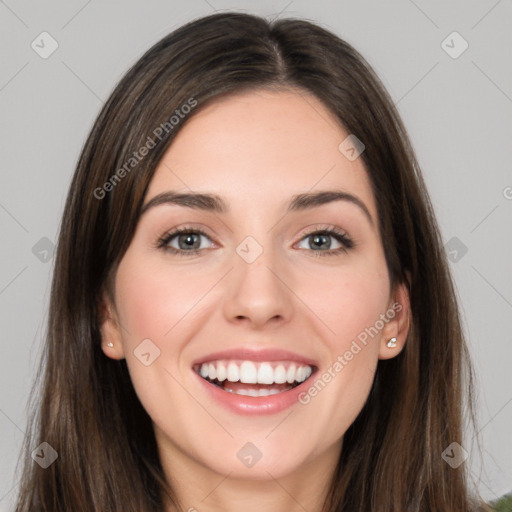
257, 293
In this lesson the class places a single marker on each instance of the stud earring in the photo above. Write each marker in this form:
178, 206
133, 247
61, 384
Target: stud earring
110, 344
391, 343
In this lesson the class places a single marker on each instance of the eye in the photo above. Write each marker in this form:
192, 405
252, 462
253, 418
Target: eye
327, 242
186, 241
183, 241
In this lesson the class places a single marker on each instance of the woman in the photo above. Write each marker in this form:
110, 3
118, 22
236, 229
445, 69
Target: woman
251, 305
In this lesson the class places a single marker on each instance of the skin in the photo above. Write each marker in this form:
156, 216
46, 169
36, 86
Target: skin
256, 150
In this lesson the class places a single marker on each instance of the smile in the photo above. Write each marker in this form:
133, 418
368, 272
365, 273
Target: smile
255, 379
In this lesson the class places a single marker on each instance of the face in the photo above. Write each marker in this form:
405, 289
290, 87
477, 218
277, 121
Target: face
263, 292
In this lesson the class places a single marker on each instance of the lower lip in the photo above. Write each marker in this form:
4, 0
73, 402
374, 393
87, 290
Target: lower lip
242, 404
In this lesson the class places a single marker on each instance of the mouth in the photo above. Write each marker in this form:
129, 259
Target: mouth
254, 378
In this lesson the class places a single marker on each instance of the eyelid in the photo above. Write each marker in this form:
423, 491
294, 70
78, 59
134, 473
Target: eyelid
196, 228
315, 228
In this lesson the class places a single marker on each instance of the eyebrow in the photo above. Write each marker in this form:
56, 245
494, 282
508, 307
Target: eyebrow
214, 203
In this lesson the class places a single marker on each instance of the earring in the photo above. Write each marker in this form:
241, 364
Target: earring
391, 343
110, 344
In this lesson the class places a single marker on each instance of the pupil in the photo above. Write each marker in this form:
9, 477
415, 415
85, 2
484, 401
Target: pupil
318, 239
189, 239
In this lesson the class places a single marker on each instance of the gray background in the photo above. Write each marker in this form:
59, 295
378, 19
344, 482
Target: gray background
457, 112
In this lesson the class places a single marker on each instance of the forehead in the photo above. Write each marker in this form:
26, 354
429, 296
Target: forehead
261, 147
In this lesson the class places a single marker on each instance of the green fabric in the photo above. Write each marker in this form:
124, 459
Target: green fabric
503, 504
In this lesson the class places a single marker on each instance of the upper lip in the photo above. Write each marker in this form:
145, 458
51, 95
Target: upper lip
251, 354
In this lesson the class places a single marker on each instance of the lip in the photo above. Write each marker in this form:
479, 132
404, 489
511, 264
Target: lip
250, 354
255, 405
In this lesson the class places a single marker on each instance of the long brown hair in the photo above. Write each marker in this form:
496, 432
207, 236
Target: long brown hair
88, 410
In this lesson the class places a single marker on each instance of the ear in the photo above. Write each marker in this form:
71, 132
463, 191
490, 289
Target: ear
110, 329
398, 326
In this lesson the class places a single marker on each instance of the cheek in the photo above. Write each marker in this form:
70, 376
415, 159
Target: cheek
157, 304
154, 300
162, 304
357, 297
362, 299
348, 298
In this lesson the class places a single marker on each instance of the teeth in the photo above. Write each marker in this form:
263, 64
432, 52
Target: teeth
249, 372
265, 374
290, 374
280, 375
233, 372
254, 392
222, 373
212, 371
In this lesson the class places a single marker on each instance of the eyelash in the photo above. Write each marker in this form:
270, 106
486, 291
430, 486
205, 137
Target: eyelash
338, 235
